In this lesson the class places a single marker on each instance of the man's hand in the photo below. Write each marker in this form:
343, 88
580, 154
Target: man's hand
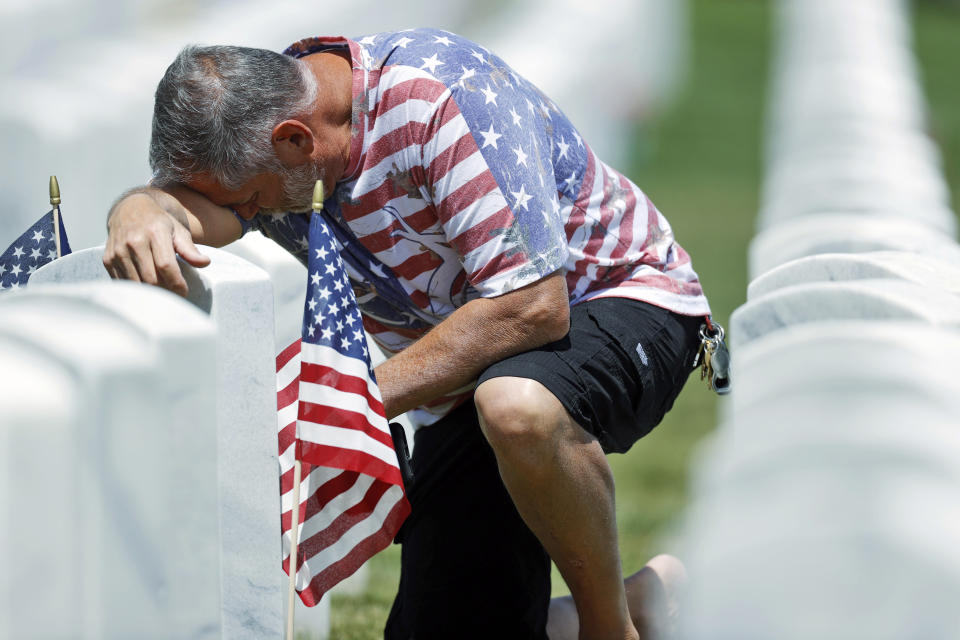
144, 241
149, 227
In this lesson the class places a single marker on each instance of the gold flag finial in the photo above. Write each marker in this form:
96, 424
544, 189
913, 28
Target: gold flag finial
318, 196
54, 191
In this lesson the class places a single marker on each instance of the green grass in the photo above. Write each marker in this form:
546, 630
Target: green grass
700, 162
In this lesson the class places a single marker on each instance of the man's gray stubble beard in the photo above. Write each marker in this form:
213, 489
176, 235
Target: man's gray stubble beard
298, 184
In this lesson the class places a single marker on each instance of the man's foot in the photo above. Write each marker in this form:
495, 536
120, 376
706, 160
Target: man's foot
653, 596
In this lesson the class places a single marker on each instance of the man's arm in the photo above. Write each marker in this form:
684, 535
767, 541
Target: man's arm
481, 332
148, 227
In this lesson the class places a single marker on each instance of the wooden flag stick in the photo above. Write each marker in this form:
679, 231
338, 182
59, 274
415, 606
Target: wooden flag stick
55, 203
295, 511
294, 538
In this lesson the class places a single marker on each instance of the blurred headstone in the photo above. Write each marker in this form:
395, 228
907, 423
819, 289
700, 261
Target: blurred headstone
239, 300
128, 526
918, 268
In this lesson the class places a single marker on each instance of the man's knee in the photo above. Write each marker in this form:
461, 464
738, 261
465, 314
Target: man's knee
519, 414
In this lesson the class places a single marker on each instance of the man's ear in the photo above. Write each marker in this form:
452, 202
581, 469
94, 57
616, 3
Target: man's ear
292, 142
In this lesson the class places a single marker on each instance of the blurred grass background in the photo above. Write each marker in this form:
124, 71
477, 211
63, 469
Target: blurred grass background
700, 162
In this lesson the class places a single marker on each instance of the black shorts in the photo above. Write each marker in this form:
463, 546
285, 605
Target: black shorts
619, 369
470, 567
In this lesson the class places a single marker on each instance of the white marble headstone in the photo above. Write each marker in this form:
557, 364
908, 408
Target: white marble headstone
878, 300
825, 267
844, 232
239, 300
132, 451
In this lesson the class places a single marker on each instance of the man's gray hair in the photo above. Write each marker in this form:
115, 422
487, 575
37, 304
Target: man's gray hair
215, 109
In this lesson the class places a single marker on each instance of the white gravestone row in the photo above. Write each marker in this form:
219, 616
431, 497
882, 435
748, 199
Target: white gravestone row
235, 375
110, 524
825, 506
847, 118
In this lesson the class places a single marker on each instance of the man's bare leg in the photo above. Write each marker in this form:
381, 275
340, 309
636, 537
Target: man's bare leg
652, 595
561, 483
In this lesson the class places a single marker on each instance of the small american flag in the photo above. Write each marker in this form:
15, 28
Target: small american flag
35, 248
331, 417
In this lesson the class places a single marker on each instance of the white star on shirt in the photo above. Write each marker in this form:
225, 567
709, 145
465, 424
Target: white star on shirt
312, 304
350, 320
490, 137
324, 293
344, 342
3, 268
318, 318
315, 277
479, 56
327, 334
403, 42
35, 253
529, 105
32, 268
310, 330
564, 147
516, 116
321, 253
579, 139
18, 251
339, 326
570, 181
368, 40
466, 75
522, 197
330, 269
358, 334
16, 270
333, 308
431, 63
338, 286
521, 156
444, 40
52, 254
38, 236
545, 110
489, 96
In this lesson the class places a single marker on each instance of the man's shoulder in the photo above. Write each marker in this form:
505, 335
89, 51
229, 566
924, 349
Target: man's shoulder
442, 54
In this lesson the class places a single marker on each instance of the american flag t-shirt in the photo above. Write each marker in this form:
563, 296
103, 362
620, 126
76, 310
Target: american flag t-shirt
466, 181
331, 417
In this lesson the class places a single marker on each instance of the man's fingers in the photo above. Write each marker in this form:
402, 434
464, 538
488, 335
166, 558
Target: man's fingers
145, 269
168, 271
183, 245
126, 269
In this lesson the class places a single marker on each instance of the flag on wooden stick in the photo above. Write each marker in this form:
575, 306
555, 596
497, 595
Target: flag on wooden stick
331, 419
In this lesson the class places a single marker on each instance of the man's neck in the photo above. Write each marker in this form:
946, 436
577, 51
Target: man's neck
333, 107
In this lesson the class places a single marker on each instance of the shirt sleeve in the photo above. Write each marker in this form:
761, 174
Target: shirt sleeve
246, 225
493, 188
